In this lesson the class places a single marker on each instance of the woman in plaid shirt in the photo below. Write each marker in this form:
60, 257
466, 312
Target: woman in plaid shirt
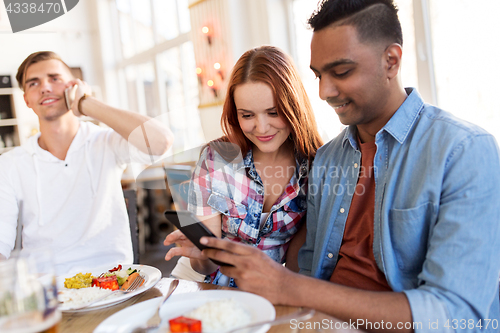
251, 185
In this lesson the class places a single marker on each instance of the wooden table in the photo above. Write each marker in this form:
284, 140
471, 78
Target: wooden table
86, 322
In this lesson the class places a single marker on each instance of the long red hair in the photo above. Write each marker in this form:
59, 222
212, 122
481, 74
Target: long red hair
270, 65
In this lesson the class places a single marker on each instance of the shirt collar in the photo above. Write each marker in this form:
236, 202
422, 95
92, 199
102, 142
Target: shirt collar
403, 120
247, 161
350, 135
33, 147
400, 123
302, 166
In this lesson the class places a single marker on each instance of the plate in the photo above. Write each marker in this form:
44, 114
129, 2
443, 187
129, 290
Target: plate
151, 275
124, 321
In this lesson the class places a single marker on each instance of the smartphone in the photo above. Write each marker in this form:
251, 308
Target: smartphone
193, 228
69, 96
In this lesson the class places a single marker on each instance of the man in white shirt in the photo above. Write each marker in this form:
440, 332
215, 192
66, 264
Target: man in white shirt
64, 183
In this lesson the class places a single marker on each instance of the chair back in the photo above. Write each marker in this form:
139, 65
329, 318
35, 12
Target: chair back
178, 178
131, 203
19, 232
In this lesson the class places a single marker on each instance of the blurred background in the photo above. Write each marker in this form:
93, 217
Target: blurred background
171, 59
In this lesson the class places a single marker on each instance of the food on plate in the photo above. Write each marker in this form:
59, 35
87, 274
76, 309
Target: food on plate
183, 324
122, 276
117, 268
79, 281
131, 279
73, 298
221, 315
106, 282
83, 288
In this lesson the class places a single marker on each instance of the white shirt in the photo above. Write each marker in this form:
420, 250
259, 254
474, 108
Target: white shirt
75, 207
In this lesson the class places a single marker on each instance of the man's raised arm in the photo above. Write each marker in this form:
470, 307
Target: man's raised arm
147, 134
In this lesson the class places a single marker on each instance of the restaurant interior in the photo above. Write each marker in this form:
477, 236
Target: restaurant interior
171, 59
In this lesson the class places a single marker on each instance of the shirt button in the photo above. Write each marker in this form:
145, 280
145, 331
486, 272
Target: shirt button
355, 165
342, 210
330, 255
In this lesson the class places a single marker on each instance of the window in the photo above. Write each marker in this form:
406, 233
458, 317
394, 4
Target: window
464, 51
328, 122
154, 65
171, 18
180, 94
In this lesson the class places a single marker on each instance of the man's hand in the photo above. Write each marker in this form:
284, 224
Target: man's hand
251, 268
255, 272
83, 88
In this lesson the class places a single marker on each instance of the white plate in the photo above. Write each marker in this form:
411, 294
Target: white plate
151, 275
124, 321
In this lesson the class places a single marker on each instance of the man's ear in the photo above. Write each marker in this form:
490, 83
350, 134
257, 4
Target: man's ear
26, 101
392, 56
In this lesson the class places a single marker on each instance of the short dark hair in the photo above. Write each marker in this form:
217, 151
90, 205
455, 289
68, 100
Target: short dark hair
33, 59
374, 20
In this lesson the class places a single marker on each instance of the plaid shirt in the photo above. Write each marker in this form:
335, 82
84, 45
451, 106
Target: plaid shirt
235, 190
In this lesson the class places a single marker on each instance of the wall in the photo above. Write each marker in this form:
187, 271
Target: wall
250, 25
75, 37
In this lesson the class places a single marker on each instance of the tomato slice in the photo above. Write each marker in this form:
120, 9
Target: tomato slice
108, 282
119, 268
184, 324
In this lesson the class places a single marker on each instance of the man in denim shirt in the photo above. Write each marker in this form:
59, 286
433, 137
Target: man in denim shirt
427, 261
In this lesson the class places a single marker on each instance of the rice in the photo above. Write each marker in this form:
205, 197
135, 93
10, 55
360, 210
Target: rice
221, 315
73, 298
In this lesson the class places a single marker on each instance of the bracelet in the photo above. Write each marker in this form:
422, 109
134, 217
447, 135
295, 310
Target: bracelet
80, 104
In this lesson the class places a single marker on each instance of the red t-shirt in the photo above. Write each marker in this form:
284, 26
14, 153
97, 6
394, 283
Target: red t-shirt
356, 266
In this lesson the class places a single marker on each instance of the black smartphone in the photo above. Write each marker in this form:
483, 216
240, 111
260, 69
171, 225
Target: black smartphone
193, 228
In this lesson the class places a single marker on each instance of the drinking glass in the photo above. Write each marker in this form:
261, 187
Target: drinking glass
28, 293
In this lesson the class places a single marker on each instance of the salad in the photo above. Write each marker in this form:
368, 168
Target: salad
113, 279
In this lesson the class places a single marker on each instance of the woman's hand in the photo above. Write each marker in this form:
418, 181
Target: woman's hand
199, 262
184, 247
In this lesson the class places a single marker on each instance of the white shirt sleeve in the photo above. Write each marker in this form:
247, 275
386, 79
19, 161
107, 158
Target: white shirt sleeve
9, 209
125, 152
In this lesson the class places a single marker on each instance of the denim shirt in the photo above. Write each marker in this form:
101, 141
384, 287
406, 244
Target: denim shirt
437, 213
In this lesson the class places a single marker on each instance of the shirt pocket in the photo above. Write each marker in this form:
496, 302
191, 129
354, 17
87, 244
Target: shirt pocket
226, 206
409, 230
235, 212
